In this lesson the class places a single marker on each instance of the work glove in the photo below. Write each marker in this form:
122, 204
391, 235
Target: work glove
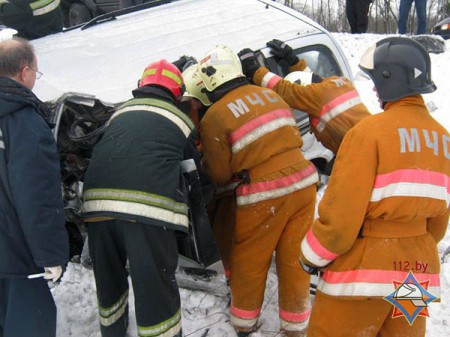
53, 273
249, 63
184, 62
283, 51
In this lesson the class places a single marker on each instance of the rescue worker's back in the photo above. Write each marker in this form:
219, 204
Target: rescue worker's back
250, 133
385, 208
245, 118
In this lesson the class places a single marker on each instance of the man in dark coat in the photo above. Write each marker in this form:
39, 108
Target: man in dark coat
135, 202
33, 238
32, 18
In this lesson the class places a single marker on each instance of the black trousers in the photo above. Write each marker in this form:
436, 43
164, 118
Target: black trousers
357, 15
152, 253
27, 308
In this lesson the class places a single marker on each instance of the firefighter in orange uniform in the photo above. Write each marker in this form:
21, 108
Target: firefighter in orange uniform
333, 103
386, 204
250, 132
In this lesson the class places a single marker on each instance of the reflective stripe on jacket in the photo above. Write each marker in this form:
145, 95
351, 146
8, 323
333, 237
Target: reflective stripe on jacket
333, 106
136, 203
135, 171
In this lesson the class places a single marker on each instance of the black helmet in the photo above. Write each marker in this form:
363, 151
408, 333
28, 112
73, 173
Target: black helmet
399, 67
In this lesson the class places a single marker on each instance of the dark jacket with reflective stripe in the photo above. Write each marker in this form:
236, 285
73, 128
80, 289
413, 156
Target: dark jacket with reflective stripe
135, 171
32, 19
32, 225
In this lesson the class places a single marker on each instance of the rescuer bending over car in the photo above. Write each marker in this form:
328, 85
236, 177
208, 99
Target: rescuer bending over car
333, 104
135, 200
249, 132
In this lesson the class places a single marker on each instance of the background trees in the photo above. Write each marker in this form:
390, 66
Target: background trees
383, 15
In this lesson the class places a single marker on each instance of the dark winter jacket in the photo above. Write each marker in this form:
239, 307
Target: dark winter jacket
135, 171
32, 19
32, 225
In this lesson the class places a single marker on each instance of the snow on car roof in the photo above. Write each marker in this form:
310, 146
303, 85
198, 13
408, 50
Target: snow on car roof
113, 54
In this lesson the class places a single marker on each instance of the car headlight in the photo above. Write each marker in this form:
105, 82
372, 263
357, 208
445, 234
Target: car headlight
445, 27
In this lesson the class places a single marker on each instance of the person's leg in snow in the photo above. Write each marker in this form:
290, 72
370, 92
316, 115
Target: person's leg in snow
153, 254
293, 282
421, 10
109, 259
262, 228
403, 14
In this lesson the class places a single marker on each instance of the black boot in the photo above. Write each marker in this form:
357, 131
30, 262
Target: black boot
248, 331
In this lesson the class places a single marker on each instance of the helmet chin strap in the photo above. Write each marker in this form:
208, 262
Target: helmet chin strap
178, 100
179, 97
220, 91
182, 90
184, 106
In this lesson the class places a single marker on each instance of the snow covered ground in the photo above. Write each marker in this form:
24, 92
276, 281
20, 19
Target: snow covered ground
206, 314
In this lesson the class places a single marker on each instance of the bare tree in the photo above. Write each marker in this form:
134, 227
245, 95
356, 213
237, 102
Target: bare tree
321, 15
383, 17
341, 14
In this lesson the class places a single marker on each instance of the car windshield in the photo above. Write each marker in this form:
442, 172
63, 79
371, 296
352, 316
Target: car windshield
319, 59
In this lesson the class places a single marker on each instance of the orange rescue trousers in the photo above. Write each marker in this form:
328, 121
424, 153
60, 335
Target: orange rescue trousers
262, 228
336, 317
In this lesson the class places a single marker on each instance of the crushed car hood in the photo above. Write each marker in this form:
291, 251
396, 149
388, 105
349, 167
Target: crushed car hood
107, 59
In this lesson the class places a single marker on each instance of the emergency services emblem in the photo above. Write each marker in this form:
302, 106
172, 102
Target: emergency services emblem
410, 298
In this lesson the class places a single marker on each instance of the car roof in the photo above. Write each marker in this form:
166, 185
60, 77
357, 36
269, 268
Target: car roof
108, 58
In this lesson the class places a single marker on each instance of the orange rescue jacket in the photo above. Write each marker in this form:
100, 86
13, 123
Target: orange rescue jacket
386, 204
334, 105
252, 129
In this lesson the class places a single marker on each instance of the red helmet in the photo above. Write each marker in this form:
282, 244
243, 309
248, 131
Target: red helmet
164, 74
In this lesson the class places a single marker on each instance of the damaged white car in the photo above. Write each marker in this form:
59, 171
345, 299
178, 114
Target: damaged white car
92, 69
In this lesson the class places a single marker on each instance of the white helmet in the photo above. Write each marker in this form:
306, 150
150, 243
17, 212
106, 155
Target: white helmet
194, 85
220, 65
300, 77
